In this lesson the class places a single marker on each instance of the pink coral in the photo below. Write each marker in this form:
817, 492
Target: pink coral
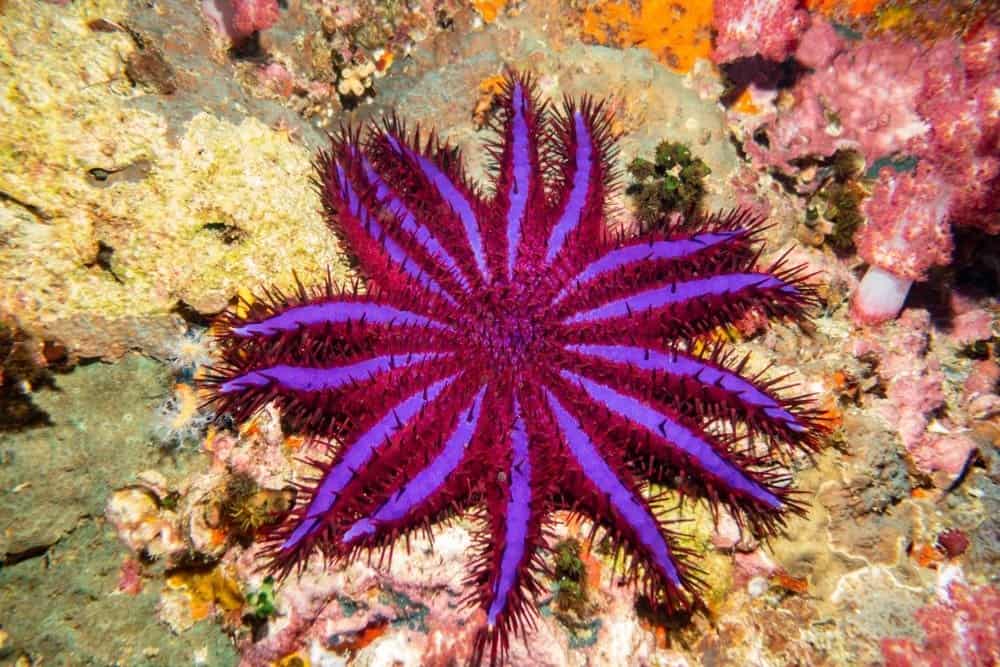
961, 102
276, 78
885, 97
961, 630
945, 453
769, 28
865, 100
914, 387
958, 182
819, 44
908, 232
238, 19
250, 16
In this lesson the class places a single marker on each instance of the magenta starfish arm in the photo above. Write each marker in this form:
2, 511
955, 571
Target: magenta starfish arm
354, 456
426, 482
695, 447
310, 378
573, 208
358, 213
518, 190
738, 389
677, 293
518, 185
628, 505
647, 251
409, 224
454, 196
518, 515
335, 312
586, 153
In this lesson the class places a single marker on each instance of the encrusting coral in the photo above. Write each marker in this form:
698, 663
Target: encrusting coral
512, 357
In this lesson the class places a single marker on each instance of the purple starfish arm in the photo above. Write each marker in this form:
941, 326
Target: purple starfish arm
518, 190
355, 456
308, 378
646, 251
681, 364
697, 449
518, 512
409, 224
572, 212
454, 197
675, 293
333, 312
396, 253
606, 482
428, 480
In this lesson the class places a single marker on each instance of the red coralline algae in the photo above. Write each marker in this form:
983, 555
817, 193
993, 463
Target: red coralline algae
961, 632
746, 28
953, 542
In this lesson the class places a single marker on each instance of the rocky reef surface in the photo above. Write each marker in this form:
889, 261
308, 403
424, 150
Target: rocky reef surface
155, 162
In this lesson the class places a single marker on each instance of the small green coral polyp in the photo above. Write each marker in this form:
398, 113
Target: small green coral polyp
673, 182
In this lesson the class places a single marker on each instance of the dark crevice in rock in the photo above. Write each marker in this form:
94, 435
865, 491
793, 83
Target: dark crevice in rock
31, 552
103, 260
31, 208
192, 316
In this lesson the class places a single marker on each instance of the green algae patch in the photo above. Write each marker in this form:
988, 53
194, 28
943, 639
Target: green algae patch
672, 183
112, 216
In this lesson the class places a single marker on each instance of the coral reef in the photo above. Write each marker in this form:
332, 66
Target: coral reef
152, 167
889, 98
766, 28
94, 171
62, 568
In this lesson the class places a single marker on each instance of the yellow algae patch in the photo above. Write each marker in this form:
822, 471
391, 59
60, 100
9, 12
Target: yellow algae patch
678, 32
112, 217
297, 659
489, 9
489, 89
205, 592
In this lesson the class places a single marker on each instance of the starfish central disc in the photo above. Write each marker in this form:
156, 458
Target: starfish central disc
508, 329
